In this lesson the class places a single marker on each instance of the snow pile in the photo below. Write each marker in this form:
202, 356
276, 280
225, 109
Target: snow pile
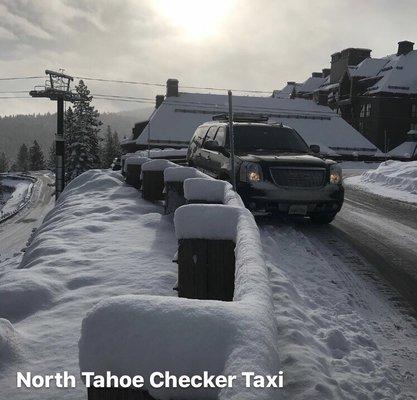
9, 343
140, 334
180, 174
394, 179
100, 240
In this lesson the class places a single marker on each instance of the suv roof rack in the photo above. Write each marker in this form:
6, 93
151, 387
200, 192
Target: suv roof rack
242, 117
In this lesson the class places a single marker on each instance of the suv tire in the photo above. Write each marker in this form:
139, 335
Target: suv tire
322, 219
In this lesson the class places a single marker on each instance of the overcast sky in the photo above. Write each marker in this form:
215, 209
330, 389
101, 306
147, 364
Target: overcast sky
243, 44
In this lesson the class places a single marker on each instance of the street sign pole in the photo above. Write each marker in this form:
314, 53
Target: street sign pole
232, 142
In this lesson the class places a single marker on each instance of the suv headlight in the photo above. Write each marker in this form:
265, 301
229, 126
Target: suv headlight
250, 172
335, 174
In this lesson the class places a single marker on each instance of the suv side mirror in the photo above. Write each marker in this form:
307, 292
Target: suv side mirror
212, 145
315, 148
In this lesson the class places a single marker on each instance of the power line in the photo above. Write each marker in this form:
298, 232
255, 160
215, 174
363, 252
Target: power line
21, 77
16, 91
120, 81
163, 85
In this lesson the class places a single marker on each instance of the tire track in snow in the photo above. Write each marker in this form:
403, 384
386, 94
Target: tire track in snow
344, 333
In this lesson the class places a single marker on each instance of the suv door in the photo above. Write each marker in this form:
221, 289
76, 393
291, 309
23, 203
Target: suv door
195, 146
207, 154
219, 160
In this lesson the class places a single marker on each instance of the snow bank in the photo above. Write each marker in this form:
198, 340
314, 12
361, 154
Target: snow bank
180, 174
141, 334
157, 165
9, 343
23, 292
101, 240
394, 179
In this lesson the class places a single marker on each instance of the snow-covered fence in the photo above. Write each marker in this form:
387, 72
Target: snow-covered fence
174, 178
153, 179
133, 168
139, 335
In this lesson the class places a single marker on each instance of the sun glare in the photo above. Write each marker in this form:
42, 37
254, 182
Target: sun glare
195, 19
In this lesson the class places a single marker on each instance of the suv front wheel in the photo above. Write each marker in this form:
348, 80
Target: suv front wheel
322, 219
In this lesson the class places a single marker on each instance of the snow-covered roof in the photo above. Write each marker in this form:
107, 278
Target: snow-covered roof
287, 90
175, 121
311, 84
398, 75
368, 67
408, 149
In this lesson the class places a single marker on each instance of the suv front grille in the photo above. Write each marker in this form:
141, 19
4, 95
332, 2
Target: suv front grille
298, 177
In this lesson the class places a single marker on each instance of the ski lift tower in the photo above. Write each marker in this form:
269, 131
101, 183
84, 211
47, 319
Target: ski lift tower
57, 88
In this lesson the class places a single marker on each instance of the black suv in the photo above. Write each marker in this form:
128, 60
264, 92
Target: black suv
276, 171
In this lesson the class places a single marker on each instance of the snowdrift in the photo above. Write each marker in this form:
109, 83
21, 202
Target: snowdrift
394, 179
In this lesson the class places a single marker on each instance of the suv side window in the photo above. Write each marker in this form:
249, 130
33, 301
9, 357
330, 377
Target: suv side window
199, 135
221, 136
211, 133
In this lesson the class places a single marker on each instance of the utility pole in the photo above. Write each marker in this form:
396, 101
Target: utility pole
232, 142
57, 88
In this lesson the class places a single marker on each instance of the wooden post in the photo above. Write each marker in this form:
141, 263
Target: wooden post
206, 269
174, 196
153, 185
133, 175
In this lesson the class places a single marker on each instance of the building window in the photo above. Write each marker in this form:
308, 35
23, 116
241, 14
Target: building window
365, 110
413, 110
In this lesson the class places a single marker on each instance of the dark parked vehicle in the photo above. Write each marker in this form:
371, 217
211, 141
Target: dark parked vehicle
276, 171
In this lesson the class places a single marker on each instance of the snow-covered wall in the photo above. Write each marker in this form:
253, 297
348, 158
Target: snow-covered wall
141, 334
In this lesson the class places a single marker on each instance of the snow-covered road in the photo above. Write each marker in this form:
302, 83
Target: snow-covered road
15, 232
345, 331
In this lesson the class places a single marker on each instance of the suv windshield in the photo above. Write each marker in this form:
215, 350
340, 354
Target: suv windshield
272, 138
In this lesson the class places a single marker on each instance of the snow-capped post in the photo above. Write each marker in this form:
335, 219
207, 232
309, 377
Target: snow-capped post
153, 179
232, 142
133, 167
206, 236
174, 178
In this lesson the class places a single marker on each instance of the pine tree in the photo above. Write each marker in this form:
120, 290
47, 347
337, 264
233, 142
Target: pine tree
4, 163
22, 163
110, 148
36, 157
82, 131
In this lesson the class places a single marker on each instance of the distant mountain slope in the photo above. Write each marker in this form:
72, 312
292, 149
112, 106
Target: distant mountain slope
18, 129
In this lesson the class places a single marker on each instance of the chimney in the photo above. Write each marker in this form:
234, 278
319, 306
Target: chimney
326, 72
404, 47
158, 100
317, 75
172, 88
